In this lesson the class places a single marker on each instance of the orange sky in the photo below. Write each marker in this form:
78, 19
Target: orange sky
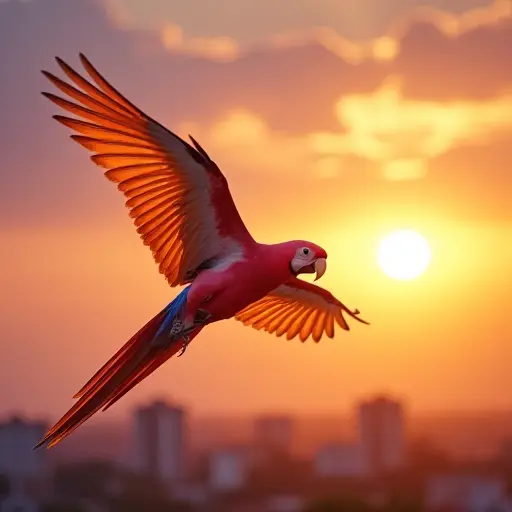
324, 134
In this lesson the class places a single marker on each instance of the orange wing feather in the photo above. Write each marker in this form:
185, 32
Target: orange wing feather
298, 308
176, 194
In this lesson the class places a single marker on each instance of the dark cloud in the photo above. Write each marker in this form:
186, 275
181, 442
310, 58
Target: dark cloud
249, 22
472, 65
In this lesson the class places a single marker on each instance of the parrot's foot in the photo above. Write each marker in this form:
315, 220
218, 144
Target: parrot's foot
176, 328
201, 318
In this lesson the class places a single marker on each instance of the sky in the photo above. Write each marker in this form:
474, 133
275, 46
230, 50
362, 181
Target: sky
334, 121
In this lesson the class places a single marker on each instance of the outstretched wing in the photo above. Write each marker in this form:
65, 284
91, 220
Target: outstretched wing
177, 196
298, 308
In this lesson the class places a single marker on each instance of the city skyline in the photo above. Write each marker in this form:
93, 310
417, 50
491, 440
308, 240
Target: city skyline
470, 436
382, 455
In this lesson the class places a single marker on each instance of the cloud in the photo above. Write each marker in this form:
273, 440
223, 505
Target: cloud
170, 20
437, 65
249, 23
387, 46
428, 47
454, 24
290, 108
402, 134
215, 48
243, 139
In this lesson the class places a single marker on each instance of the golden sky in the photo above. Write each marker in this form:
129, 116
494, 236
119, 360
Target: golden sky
332, 123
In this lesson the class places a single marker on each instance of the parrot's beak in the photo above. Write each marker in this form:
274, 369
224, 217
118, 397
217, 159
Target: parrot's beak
320, 268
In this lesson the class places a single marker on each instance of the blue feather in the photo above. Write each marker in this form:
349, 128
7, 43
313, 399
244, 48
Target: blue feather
174, 311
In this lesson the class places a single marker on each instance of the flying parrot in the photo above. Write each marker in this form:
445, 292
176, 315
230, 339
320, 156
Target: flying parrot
181, 205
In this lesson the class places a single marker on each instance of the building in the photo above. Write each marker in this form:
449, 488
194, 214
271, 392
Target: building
160, 442
18, 460
467, 493
19, 500
26, 470
340, 460
274, 434
381, 435
228, 469
17, 440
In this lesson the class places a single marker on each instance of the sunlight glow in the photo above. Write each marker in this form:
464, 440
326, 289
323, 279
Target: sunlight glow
404, 255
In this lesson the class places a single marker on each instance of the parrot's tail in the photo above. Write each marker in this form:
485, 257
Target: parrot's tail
137, 359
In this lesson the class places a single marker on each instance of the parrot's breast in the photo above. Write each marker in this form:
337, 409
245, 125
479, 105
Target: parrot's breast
241, 284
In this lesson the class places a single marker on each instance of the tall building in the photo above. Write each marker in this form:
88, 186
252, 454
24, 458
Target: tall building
381, 435
273, 433
161, 441
25, 470
19, 500
17, 458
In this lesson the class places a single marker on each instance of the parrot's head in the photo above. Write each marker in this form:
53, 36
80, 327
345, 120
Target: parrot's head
308, 258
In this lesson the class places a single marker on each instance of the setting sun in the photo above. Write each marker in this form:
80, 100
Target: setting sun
404, 255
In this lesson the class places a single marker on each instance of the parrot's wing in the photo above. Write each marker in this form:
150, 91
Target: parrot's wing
177, 196
298, 308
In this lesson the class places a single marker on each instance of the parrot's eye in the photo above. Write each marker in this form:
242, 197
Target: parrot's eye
305, 251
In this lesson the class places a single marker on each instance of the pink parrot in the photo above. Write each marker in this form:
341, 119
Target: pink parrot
182, 207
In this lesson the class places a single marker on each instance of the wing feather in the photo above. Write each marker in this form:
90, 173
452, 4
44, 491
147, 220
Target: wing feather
177, 196
298, 308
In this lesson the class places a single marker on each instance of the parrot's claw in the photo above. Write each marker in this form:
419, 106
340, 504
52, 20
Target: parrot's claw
186, 341
201, 318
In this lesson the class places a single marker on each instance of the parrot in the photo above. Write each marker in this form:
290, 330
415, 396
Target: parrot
181, 205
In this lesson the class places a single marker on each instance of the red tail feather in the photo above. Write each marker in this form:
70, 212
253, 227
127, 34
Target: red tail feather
135, 361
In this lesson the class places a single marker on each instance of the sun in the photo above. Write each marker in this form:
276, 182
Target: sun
404, 255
